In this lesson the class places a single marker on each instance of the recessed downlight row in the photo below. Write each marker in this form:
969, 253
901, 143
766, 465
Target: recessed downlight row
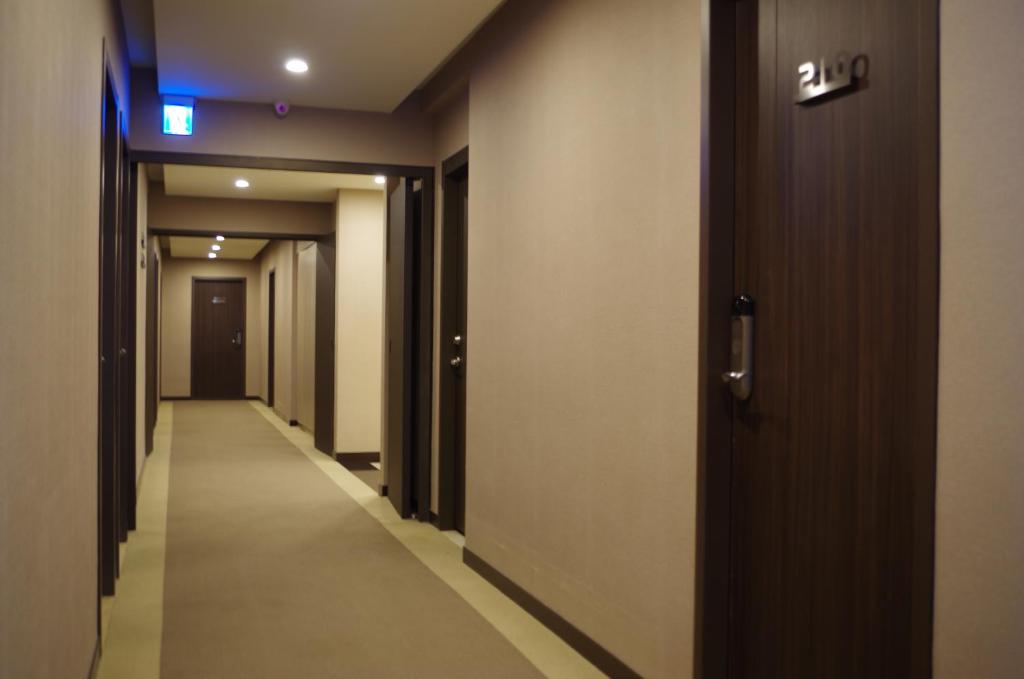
215, 247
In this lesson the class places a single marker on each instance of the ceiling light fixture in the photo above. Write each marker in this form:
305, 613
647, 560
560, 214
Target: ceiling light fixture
241, 183
212, 255
219, 238
380, 179
296, 65
215, 247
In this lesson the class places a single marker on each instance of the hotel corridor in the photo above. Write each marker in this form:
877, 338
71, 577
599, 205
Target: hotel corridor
257, 556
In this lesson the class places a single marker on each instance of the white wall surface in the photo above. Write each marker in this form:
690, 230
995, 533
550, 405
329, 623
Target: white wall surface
359, 333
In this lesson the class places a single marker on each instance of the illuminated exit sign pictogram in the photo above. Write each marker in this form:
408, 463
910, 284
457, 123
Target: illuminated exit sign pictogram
178, 115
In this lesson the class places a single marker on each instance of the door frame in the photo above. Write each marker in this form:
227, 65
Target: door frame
714, 406
152, 338
407, 461
446, 457
109, 493
324, 320
127, 368
271, 332
424, 173
719, 39
192, 335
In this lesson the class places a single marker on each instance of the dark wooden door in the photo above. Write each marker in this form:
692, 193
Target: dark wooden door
323, 381
833, 462
398, 344
218, 339
271, 334
454, 357
127, 328
152, 332
109, 308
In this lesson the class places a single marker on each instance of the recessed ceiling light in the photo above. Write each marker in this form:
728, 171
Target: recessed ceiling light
212, 255
215, 247
219, 237
296, 65
380, 179
241, 183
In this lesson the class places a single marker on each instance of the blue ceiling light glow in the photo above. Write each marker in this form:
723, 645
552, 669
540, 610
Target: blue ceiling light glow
178, 115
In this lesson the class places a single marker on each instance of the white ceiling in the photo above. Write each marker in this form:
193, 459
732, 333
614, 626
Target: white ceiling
230, 248
363, 55
219, 182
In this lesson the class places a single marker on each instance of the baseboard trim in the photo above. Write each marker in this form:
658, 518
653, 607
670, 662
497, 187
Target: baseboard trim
597, 654
94, 666
175, 398
253, 398
357, 457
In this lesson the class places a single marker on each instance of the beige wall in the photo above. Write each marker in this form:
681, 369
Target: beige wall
51, 64
176, 320
584, 138
305, 333
279, 256
230, 215
979, 588
451, 135
359, 330
307, 133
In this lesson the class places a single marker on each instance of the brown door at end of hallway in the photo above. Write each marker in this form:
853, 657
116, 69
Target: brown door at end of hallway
218, 338
831, 501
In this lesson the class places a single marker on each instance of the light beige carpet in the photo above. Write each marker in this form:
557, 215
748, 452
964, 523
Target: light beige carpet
273, 571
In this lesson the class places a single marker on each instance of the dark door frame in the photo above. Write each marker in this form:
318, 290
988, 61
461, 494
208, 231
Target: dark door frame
271, 331
324, 344
127, 368
719, 81
152, 337
424, 173
452, 170
108, 495
192, 336
409, 267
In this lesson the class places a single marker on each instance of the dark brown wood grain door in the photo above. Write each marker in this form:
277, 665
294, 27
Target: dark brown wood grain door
323, 381
454, 356
152, 333
218, 339
271, 334
836, 233
398, 360
109, 336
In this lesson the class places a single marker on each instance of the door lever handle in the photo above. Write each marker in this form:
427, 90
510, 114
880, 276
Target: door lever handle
730, 377
740, 377
456, 362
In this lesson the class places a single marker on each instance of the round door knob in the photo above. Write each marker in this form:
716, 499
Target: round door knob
456, 362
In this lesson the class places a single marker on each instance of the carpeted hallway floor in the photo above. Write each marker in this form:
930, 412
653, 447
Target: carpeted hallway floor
272, 570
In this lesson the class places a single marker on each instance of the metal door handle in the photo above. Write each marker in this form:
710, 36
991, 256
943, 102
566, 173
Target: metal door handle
740, 377
457, 340
237, 339
456, 362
